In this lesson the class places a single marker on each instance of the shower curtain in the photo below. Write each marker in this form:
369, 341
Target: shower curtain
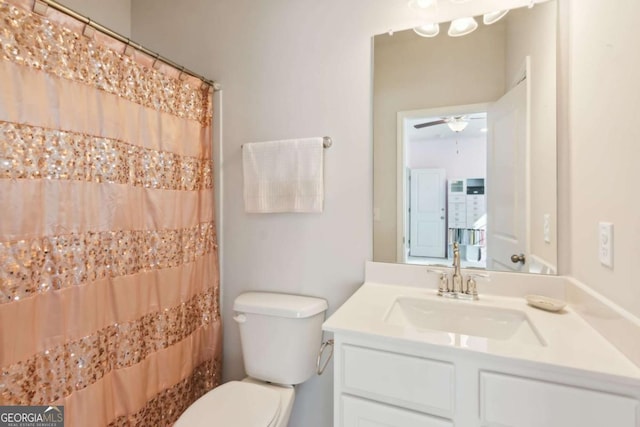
108, 258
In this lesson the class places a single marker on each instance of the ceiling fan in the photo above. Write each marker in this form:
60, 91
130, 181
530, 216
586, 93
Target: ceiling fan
455, 123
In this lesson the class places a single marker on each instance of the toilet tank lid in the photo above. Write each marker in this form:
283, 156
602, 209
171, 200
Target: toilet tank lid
281, 305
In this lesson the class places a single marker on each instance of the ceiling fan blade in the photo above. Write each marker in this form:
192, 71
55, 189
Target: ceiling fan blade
427, 124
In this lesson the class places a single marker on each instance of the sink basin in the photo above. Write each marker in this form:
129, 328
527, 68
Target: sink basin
463, 318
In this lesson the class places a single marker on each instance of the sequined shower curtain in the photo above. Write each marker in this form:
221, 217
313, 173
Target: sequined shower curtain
108, 257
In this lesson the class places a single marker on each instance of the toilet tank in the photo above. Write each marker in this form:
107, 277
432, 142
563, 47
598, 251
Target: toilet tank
280, 335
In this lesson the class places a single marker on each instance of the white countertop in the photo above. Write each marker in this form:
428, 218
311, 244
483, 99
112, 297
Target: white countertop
569, 340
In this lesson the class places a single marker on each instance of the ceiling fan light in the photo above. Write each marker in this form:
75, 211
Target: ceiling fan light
427, 30
457, 125
462, 26
493, 17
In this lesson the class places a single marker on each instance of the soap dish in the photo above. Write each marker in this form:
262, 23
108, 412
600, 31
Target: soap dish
545, 303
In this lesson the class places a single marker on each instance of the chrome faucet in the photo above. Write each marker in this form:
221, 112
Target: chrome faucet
458, 288
457, 275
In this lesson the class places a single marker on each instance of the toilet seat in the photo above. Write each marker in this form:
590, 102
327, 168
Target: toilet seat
236, 403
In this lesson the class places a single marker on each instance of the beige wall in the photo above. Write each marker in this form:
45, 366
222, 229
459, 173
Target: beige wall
601, 95
411, 73
113, 14
532, 32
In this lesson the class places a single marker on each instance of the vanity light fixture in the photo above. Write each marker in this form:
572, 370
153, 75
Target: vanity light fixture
457, 124
428, 30
493, 17
462, 26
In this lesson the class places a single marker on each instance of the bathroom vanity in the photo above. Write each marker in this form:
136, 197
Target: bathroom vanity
406, 357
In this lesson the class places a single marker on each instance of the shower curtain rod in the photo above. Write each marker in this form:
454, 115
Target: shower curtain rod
41, 5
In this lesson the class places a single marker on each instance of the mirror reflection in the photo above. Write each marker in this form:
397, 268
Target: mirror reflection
465, 145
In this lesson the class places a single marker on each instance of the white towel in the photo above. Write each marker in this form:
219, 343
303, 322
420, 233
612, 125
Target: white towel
283, 176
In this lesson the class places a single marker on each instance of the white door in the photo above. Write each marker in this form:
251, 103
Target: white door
507, 187
427, 213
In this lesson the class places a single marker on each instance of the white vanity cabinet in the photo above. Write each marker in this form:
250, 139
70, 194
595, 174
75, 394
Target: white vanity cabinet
383, 382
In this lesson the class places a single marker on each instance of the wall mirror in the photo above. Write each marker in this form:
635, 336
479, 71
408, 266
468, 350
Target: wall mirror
465, 143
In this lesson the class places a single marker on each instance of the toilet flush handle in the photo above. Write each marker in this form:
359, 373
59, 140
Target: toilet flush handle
320, 369
240, 318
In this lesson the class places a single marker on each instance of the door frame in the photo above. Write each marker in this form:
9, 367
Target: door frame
402, 202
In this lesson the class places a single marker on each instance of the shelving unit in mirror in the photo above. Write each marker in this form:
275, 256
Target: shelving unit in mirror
467, 219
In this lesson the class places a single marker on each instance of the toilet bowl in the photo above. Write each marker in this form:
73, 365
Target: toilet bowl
280, 336
246, 403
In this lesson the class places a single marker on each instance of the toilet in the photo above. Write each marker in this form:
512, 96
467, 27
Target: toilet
280, 336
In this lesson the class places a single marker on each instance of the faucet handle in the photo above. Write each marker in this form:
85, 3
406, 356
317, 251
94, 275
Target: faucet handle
472, 289
443, 285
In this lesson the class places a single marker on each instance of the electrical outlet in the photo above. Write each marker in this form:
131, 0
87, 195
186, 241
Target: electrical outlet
546, 228
605, 243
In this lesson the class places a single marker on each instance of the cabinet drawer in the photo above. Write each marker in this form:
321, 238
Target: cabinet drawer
412, 382
457, 208
457, 198
364, 413
514, 401
475, 198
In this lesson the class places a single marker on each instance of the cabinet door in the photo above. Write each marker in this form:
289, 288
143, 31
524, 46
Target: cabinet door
522, 402
358, 412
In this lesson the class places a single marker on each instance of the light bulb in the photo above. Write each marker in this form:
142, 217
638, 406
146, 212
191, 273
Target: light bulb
457, 124
428, 30
462, 26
